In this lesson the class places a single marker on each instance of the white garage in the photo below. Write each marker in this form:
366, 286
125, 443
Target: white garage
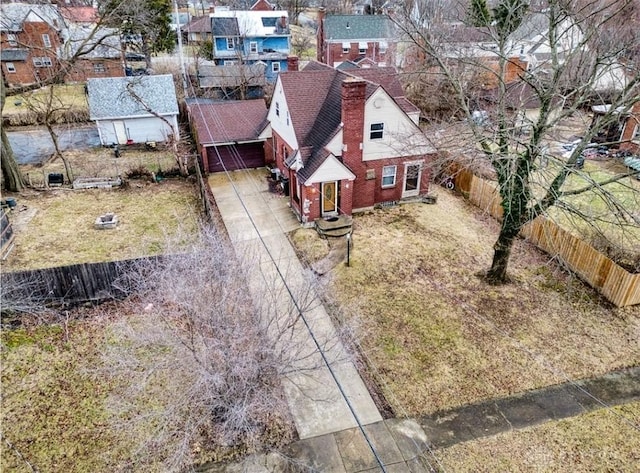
135, 109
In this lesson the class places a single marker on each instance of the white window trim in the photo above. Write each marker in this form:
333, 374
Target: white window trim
229, 62
393, 175
416, 191
346, 47
12, 39
635, 136
362, 47
11, 67
253, 46
277, 109
46, 40
231, 44
99, 68
372, 131
275, 66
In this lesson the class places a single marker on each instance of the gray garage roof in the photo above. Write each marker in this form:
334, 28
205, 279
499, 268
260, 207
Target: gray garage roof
119, 97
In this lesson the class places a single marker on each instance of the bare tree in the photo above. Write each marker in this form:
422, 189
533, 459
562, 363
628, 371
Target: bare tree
495, 54
47, 106
203, 362
11, 175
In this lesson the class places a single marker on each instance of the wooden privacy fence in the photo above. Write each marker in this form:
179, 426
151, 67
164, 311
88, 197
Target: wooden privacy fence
615, 283
72, 284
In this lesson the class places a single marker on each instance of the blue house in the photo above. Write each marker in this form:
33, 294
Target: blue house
247, 37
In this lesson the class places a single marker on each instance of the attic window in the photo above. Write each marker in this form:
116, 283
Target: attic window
277, 109
376, 131
46, 41
636, 134
12, 39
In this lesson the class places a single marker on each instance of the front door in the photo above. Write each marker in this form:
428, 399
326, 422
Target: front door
329, 198
411, 180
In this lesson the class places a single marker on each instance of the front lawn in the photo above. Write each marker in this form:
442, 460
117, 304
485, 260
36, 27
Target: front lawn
436, 336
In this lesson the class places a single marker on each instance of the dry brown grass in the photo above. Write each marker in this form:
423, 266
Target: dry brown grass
440, 337
599, 441
56, 226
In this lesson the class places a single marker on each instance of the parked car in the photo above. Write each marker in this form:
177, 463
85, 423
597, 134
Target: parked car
130, 56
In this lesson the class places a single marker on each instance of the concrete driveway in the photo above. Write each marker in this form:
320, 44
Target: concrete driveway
257, 222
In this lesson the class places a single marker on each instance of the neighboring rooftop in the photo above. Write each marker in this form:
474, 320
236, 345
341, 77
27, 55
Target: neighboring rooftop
199, 24
12, 15
357, 27
250, 23
92, 42
118, 97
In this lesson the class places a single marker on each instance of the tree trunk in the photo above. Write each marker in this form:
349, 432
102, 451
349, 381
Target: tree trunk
502, 251
13, 180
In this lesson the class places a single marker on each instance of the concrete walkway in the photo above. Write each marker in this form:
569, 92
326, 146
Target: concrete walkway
256, 221
411, 445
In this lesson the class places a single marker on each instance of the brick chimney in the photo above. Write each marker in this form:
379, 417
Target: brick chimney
320, 51
352, 108
292, 63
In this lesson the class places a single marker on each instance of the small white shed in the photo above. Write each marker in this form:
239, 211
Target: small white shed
134, 109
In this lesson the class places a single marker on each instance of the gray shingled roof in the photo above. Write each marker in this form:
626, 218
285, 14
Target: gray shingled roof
14, 54
357, 27
225, 27
115, 97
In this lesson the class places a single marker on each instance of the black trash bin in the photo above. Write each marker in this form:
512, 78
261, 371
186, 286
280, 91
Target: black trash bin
55, 179
285, 186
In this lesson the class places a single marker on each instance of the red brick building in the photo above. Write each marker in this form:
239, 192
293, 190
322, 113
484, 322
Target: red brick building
346, 141
354, 38
630, 139
37, 42
29, 43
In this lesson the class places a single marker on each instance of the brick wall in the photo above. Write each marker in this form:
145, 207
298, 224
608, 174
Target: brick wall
334, 52
627, 133
85, 69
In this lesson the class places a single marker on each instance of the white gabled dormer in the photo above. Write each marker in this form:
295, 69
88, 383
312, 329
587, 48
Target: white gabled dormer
280, 118
389, 131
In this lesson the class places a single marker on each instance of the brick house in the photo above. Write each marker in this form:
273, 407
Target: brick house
343, 38
29, 41
345, 141
630, 139
38, 42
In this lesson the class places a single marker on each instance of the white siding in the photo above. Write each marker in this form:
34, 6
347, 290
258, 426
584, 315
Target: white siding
140, 130
401, 136
279, 122
330, 170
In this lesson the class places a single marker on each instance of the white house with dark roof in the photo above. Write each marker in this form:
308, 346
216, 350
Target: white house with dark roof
138, 109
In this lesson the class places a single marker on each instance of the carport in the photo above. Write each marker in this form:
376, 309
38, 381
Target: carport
228, 133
